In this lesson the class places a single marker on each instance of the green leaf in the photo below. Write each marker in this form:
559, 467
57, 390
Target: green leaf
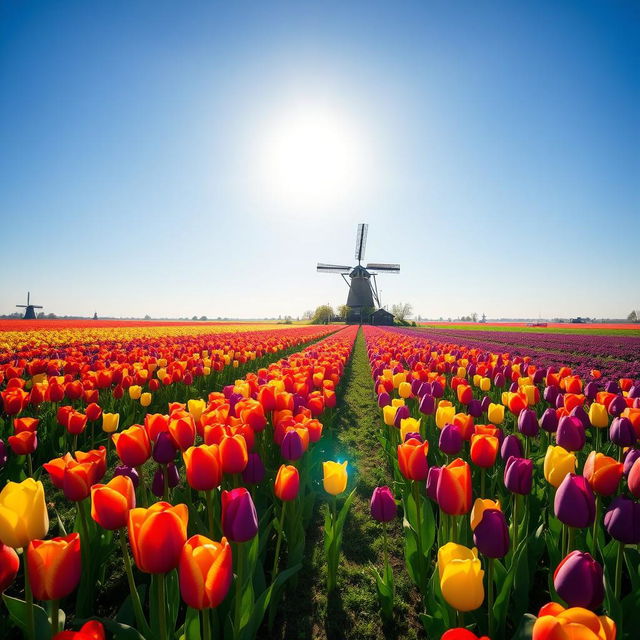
192, 624
18, 613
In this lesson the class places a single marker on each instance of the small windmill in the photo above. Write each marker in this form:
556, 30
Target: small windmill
363, 288
29, 308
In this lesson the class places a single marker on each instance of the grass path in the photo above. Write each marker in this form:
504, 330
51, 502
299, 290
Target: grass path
353, 612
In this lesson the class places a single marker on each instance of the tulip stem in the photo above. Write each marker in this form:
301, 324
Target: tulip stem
619, 560
209, 499
490, 595
143, 627
29, 465
162, 612
84, 542
239, 585
594, 532
515, 522
384, 546
55, 608
206, 628
274, 571
570, 539
417, 499
28, 597
165, 483
75, 442
483, 475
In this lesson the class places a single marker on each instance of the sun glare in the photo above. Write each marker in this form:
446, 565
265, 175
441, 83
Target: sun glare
312, 157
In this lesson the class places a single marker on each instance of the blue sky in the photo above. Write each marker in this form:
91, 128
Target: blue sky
493, 147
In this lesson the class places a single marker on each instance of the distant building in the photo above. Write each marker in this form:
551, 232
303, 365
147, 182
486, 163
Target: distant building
382, 317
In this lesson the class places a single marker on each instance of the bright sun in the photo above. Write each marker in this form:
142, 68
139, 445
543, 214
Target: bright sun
312, 157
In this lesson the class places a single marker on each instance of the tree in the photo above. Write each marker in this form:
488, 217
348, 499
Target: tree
474, 317
204, 318
307, 315
322, 315
401, 311
343, 311
633, 316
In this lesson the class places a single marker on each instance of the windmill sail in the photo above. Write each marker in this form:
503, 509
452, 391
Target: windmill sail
333, 268
383, 267
361, 241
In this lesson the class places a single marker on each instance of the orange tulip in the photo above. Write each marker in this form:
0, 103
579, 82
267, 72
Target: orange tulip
183, 431
154, 423
234, 454
25, 424
132, 445
287, 483
73, 477
76, 422
204, 467
23, 443
412, 459
111, 502
54, 566
464, 393
205, 571
554, 622
454, 488
603, 473
484, 450
157, 535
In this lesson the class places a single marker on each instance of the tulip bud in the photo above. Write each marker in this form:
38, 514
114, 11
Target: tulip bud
164, 450
130, 472
617, 406
549, 420
575, 504
528, 423
622, 520
292, 447
511, 446
579, 581
630, 458
54, 566
622, 433
518, 475
603, 473
432, 483
384, 399
491, 534
254, 471
383, 505
239, 518
334, 477
451, 440
570, 434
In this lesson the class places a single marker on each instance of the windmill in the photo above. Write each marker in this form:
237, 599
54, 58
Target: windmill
363, 288
29, 308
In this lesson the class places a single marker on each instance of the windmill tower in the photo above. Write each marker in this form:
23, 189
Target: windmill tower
29, 308
363, 288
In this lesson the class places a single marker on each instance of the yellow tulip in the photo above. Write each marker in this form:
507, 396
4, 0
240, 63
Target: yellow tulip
387, 374
557, 463
452, 551
485, 384
479, 507
462, 372
23, 513
399, 378
196, 407
334, 477
404, 390
135, 391
409, 425
444, 415
461, 580
598, 415
495, 413
206, 371
110, 422
397, 402
530, 392
389, 415
145, 399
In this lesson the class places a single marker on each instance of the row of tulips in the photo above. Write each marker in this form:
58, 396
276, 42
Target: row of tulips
211, 499
518, 487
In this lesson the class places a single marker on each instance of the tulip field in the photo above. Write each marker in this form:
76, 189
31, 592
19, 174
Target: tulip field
208, 480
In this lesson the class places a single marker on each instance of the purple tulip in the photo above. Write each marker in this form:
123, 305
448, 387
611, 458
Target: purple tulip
514, 387
425, 390
402, 413
427, 404
518, 475
538, 376
622, 520
384, 399
551, 393
590, 390
432, 483
549, 420
292, 447
511, 446
560, 401
622, 432
239, 517
570, 434
579, 581
254, 471
575, 504
474, 408
498, 380
629, 458
413, 435
612, 387
486, 401
491, 534
450, 439
581, 414
383, 505
437, 390
415, 386
617, 406
528, 423
634, 391
157, 484
164, 450
130, 472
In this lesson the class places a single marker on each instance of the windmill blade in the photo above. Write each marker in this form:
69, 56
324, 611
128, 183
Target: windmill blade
333, 268
361, 241
383, 267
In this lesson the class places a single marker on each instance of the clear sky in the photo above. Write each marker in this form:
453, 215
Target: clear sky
179, 158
